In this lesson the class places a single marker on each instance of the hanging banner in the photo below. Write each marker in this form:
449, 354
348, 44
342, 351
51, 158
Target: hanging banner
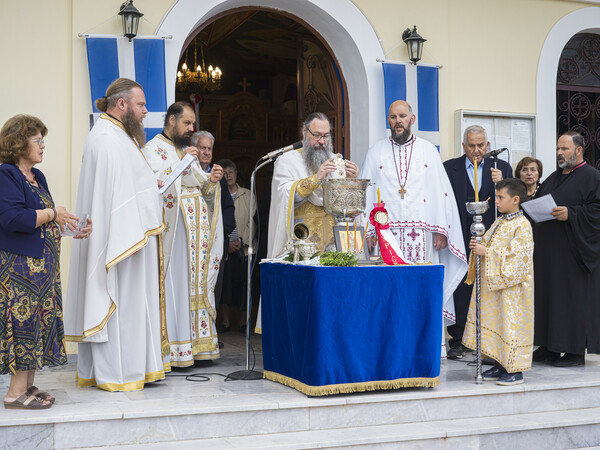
419, 86
142, 60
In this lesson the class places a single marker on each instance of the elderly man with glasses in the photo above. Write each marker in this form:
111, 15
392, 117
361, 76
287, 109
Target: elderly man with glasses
297, 195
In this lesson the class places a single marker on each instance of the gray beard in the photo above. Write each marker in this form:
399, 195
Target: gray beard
134, 128
568, 163
314, 157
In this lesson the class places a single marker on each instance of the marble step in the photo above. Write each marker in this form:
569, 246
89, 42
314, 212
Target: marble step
385, 416
552, 429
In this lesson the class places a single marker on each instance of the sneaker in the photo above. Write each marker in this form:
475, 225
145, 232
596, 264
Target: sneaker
456, 353
509, 379
493, 374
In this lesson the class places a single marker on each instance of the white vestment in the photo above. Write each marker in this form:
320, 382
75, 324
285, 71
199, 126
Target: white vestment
113, 308
428, 207
193, 249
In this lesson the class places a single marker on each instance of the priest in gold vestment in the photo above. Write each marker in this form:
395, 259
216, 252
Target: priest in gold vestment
506, 288
296, 192
192, 241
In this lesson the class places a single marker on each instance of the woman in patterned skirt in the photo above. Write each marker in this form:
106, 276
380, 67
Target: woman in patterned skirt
31, 326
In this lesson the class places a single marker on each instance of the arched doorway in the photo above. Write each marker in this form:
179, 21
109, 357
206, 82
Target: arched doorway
269, 71
584, 20
340, 23
578, 92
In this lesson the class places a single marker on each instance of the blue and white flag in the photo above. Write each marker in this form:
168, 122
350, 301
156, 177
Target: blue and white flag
417, 85
142, 60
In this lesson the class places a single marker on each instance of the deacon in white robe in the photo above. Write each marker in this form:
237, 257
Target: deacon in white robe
192, 243
419, 199
112, 306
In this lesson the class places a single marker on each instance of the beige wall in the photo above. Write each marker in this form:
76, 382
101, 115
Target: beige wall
489, 50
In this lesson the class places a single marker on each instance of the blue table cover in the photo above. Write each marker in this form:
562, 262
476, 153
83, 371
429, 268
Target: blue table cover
329, 330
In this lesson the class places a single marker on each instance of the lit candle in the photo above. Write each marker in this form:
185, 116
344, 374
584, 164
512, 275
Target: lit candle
378, 197
354, 236
348, 236
476, 185
364, 236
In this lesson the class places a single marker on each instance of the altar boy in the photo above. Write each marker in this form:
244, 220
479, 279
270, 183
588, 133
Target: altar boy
506, 288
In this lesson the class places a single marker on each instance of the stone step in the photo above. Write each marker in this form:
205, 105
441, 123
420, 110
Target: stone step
219, 413
552, 429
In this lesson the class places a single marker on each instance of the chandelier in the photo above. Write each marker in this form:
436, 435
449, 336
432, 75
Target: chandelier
201, 78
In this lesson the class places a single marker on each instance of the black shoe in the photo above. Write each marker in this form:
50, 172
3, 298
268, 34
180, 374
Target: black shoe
493, 374
456, 353
570, 360
543, 354
488, 362
508, 379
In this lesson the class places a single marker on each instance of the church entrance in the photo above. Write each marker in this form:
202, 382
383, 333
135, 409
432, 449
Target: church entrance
253, 75
578, 92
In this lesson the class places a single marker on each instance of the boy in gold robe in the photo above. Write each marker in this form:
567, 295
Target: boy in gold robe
506, 288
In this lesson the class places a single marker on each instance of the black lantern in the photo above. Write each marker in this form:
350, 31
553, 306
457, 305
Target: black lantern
131, 19
414, 42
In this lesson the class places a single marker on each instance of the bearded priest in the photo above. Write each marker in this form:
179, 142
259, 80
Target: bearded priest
192, 241
419, 199
296, 192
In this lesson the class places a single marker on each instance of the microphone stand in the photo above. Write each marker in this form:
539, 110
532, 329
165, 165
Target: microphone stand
249, 374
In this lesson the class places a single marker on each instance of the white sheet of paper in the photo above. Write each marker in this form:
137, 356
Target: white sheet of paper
539, 209
185, 162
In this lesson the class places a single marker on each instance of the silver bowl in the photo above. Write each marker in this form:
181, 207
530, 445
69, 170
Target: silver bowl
477, 207
345, 198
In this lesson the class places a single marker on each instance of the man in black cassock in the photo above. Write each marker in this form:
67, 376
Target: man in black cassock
461, 175
566, 260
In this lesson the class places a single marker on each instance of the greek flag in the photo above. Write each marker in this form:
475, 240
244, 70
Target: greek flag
418, 85
142, 60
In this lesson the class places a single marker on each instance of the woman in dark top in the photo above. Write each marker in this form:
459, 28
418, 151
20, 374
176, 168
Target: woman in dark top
31, 326
529, 171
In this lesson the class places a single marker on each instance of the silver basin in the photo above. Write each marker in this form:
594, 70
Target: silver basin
345, 198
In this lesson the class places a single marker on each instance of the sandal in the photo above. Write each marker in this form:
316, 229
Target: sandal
19, 403
41, 394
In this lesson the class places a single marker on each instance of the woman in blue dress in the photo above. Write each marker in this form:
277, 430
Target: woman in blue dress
31, 326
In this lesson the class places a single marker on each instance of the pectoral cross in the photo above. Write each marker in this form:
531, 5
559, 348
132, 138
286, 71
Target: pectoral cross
402, 191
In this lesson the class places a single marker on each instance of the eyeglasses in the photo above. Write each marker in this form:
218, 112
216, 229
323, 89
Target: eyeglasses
319, 136
39, 142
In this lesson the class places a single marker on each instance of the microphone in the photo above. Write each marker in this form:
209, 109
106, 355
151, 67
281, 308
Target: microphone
494, 152
281, 151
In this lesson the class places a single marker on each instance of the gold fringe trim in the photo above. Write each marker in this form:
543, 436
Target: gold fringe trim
348, 388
